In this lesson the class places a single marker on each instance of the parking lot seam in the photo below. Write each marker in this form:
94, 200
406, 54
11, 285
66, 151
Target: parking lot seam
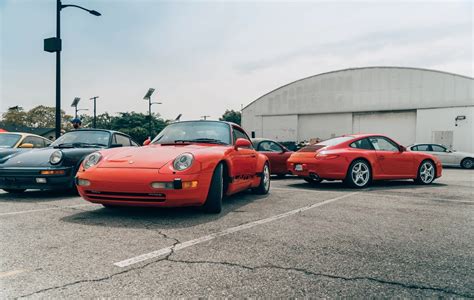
332, 276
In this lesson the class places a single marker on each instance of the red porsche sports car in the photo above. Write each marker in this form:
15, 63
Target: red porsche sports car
360, 158
191, 163
277, 155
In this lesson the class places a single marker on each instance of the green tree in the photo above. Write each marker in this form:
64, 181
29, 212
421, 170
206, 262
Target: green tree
14, 116
231, 116
44, 117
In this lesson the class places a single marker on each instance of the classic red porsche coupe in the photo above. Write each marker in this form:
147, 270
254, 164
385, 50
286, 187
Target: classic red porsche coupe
360, 158
191, 163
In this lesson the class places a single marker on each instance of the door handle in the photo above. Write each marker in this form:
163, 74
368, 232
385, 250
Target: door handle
381, 157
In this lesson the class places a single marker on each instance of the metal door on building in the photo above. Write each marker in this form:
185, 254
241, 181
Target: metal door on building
444, 138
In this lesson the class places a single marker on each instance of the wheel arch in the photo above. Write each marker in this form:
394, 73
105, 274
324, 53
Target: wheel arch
361, 158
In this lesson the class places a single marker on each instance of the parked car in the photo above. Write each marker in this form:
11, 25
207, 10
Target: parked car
22, 140
55, 167
448, 157
191, 163
277, 155
360, 158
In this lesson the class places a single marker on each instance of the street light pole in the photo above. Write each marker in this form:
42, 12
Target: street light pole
94, 123
54, 45
58, 71
205, 117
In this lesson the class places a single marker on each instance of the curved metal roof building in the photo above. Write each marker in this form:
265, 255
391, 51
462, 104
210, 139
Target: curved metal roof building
410, 104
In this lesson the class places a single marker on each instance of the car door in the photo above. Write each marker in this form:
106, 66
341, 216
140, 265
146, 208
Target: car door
276, 156
393, 162
442, 153
244, 161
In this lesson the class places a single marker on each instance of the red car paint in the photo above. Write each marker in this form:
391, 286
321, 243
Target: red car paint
332, 162
277, 154
124, 176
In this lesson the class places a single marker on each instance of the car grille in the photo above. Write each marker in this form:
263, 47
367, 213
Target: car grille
119, 196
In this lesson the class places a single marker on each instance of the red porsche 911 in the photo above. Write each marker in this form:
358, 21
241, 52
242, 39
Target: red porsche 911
191, 163
360, 158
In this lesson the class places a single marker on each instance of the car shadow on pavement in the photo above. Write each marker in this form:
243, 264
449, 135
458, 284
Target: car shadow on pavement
163, 218
376, 185
31, 196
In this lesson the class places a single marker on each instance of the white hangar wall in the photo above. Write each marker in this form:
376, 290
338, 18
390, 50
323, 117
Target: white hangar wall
404, 103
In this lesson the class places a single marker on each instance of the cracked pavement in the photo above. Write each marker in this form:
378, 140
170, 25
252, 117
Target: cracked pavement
395, 239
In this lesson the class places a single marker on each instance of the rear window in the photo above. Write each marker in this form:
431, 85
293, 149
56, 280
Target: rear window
335, 141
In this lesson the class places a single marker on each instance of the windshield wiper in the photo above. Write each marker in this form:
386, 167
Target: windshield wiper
78, 145
202, 140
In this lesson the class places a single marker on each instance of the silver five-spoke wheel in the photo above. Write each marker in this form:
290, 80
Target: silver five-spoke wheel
359, 174
426, 172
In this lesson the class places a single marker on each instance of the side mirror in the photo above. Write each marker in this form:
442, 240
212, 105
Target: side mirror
146, 142
242, 143
402, 148
26, 145
115, 145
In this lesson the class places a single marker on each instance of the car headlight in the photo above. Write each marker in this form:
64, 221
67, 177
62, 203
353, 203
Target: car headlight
56, 157
183, 161
92, 160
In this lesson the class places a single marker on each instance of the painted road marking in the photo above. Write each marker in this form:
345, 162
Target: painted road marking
43, 209
180, 246
11, 273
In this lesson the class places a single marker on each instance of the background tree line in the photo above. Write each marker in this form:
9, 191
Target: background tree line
132, 123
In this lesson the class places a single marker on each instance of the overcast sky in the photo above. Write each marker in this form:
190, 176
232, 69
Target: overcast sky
205, 57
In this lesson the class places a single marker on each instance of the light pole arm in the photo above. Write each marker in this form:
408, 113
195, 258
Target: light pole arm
93, 12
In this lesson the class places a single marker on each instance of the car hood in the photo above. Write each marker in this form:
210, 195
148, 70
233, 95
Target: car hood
40, 157
153, 156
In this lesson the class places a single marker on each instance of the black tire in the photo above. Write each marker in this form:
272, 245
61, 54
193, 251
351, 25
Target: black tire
359, 174
312, 180
467, 163
216, 192
426, 173
14, 191
264, 186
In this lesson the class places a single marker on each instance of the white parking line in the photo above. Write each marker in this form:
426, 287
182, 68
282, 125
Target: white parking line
180, 246
11, 273
43, 209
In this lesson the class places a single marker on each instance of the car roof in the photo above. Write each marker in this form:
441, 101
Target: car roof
23, 134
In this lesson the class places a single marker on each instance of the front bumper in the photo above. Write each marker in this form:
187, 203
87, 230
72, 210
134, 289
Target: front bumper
31, 178
132, 187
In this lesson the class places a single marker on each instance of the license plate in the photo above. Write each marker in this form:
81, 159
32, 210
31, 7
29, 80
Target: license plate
298, 167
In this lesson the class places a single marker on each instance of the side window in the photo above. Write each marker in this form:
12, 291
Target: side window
414, 148
362, 144
122, 140
35, 141
423, 148
382, 144
437, 148
239, 135
269, 146
133, 143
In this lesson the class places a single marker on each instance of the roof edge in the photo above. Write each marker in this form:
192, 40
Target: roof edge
357, 68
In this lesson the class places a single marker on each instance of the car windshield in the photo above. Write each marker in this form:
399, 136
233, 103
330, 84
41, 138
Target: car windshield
335, 141
195, 132
8, 140
86, 138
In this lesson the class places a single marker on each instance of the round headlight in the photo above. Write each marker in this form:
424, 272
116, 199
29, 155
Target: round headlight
92, 160
183, 161
56, 157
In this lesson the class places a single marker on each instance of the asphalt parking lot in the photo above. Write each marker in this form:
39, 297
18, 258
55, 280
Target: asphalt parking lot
393, 239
